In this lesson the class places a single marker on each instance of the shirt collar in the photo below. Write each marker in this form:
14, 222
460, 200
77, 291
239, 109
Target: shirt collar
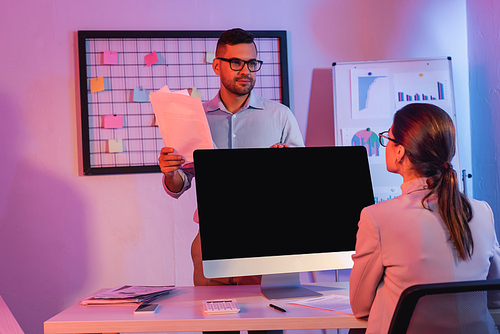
253, 102
414, 185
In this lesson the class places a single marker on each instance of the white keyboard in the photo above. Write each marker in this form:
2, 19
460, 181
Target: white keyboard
220, 306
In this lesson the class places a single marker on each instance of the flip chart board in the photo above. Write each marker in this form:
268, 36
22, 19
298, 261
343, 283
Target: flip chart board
368, 94
117, 71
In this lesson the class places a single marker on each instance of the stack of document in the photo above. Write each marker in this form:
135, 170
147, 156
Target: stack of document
127, 294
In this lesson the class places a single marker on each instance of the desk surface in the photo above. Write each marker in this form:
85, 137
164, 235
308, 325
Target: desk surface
182, 311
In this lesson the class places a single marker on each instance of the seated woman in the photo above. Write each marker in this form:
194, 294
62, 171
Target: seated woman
431, 233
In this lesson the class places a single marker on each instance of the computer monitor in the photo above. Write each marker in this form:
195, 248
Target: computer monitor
278, 212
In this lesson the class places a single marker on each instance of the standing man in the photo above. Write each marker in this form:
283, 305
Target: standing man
238, 118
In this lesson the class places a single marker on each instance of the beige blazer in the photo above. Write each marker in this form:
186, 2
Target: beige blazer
399, 244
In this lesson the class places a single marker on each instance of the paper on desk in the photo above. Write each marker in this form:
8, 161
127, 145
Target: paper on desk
182, 121
335, 303
127, 294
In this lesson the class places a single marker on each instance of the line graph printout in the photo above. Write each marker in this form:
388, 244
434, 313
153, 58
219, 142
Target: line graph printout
370, 93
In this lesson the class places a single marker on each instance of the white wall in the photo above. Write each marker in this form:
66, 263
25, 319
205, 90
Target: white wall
63, 235
484, 65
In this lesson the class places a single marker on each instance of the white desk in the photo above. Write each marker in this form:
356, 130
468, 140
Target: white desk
181, 311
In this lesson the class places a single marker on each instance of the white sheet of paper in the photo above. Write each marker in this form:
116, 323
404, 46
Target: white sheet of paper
182, 122
335, 303
182, 92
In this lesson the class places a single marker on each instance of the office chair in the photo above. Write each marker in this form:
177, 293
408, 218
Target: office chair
442, 308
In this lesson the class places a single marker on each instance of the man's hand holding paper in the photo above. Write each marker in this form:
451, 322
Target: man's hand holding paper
169, 161
169, 165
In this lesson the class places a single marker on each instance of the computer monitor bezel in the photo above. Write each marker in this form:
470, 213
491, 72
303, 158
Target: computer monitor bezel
230, 166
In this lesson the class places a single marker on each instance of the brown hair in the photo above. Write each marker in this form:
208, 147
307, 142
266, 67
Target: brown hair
233, 37
428, 135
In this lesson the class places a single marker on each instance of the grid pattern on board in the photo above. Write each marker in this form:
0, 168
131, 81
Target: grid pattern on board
182, 63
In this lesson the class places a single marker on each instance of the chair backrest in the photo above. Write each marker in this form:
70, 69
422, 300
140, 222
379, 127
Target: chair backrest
455, 307
8, 323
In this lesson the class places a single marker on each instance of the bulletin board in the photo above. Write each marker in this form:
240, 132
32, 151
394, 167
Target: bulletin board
368, 94
117, 71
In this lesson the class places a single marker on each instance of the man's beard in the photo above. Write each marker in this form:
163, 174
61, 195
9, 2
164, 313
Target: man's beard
233, 87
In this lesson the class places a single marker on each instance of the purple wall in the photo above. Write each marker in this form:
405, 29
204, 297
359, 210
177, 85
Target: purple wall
63, 235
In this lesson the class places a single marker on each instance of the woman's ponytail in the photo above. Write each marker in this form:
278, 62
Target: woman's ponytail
428, 135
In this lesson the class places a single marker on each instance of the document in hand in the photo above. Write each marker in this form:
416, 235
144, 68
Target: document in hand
127, 294
182, 121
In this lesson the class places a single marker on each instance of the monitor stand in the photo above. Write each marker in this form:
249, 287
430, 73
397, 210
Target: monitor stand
280, 286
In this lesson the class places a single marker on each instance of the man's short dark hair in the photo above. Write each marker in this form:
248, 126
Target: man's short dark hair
233, 37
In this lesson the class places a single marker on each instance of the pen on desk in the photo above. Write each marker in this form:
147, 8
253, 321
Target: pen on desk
277, 308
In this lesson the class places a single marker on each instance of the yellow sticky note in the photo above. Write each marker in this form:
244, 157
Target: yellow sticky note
115, 145
96, 84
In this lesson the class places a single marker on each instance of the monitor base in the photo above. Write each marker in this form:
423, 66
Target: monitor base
281, 286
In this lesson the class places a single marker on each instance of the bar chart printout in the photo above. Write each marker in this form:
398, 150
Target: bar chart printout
416, 87
386, 193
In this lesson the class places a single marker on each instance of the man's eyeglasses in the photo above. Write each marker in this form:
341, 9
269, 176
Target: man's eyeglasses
237, 64
383, 138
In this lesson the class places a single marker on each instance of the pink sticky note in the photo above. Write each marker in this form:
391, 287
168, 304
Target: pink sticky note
110, 57
112, 121
151, 58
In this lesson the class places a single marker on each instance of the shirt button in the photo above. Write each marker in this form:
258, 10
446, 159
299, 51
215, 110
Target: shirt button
234, 135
